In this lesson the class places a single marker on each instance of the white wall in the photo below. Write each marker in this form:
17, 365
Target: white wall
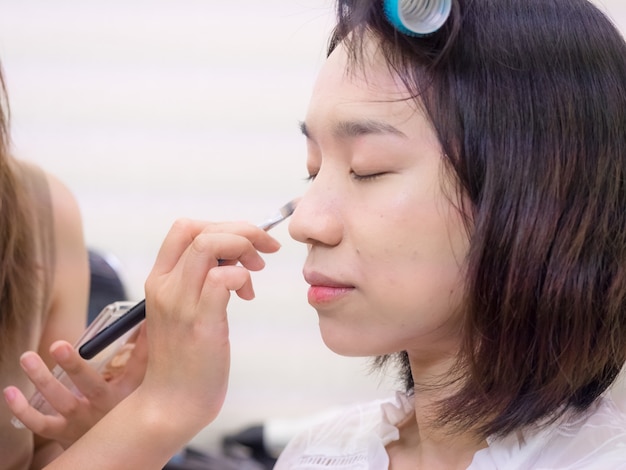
152, 110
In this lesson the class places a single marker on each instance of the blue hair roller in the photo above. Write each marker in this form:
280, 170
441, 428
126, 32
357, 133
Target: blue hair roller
417, 17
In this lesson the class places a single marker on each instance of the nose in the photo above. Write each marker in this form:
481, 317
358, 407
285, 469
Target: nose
316, 220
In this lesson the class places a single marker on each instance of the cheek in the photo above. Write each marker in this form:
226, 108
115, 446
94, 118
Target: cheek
419, 258
418, 235
419, 308
419, 283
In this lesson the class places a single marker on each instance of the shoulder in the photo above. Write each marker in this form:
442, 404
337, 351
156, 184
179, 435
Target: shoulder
592, 440
595, 440
71, 260
349, 437
64, 205
49, 193
65, 220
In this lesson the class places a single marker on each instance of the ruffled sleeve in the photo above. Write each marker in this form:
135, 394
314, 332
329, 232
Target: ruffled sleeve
353, 439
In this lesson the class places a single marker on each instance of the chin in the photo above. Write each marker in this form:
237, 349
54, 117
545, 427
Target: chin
348, 346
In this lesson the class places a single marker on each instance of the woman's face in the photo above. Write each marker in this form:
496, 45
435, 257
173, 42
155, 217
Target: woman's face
386, 245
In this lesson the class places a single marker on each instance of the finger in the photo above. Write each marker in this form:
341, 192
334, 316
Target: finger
85, 378
57, 394
233, 278
228, 248
184, 231
221, 234
207, 249
180, 235
136, 365
261, 240
31, 418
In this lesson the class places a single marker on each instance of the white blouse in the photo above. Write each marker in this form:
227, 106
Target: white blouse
355, 439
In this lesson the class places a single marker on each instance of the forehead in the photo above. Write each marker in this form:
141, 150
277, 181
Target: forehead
367, 89
367, 92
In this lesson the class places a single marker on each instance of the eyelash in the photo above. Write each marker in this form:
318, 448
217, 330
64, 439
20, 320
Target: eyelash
357, 177
371, 177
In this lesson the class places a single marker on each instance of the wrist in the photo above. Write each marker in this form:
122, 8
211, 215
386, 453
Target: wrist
167, 419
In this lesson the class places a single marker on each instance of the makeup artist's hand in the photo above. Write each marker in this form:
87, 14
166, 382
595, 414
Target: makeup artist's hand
187, 293
100, 393
183, 389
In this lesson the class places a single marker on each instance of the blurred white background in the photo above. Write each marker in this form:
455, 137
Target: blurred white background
153, 110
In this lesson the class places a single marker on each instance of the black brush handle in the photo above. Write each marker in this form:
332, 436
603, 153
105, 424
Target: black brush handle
113, 331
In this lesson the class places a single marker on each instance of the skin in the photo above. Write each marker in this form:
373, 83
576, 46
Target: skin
187, 293
66, 322
76, 414
385, 263
66, 316
70, 291
386, 243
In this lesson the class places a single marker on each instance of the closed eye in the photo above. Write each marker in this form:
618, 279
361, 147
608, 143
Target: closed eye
368, 177
356, 176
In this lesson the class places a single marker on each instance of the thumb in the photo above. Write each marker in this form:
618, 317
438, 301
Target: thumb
134, 368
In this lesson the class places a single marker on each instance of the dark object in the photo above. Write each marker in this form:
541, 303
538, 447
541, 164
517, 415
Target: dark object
106, 286
250, 441
121, 325
191, 459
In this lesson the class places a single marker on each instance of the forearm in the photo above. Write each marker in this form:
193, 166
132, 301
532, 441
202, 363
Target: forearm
186, 378
138, 433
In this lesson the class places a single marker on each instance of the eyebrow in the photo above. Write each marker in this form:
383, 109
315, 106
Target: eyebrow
356, 128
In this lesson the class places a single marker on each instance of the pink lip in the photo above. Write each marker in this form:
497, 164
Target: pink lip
324, 289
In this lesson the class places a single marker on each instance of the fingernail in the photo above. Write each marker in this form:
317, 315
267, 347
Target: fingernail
9, 394
61, 352
28, 361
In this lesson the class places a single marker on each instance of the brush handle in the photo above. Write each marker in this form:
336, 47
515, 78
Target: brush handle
109, 334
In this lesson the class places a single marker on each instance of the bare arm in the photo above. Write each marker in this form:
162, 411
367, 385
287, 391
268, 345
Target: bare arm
67, 316
185, 384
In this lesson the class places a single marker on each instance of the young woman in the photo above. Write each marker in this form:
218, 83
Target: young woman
44, 282
466, 219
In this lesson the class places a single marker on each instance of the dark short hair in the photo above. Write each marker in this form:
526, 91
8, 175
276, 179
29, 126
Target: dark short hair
528, 99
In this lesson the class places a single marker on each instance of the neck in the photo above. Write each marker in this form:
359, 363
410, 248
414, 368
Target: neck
423, 440
423, 444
